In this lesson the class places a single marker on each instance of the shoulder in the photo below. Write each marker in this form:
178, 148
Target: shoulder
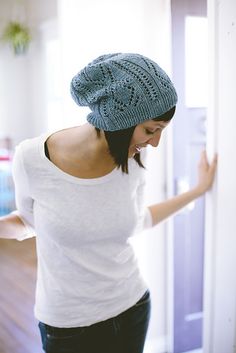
28, 143
29, 150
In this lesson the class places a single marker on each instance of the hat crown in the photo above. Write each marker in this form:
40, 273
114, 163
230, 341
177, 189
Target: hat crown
123, 90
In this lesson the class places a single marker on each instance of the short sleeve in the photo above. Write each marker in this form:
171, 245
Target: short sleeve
23, 199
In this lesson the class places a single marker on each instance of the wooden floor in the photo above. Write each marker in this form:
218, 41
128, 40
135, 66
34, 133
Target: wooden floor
18, 327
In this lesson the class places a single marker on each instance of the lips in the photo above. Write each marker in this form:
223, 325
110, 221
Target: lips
138, 148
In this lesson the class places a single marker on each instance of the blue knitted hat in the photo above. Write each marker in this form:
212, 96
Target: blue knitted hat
123, 90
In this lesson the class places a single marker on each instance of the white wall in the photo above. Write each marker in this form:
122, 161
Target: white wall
22, 89
42, 18
14, 109
220, 279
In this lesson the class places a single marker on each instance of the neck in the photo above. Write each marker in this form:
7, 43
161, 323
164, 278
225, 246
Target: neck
92, 147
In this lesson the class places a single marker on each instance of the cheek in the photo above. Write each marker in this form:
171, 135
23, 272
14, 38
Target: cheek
138, 137
133, 140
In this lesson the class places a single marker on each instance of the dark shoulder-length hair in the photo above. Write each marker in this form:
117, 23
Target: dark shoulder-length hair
119, 142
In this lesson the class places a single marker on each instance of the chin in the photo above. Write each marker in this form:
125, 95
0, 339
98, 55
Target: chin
132, 153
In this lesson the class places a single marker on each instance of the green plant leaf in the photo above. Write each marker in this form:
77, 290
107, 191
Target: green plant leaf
18, 36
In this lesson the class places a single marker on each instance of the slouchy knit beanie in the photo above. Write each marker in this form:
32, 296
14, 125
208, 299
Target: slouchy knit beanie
123, 90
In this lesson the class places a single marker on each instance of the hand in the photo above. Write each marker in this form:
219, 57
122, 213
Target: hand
206, 173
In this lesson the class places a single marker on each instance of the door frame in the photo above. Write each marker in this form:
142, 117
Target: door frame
220, 282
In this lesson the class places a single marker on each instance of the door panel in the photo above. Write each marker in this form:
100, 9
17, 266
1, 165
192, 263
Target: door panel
188, 226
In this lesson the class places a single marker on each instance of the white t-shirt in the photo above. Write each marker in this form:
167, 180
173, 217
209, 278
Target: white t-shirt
87, 270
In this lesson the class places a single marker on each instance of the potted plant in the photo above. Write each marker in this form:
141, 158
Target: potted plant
18, 36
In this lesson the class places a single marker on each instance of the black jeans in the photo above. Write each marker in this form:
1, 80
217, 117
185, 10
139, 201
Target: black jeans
124, 333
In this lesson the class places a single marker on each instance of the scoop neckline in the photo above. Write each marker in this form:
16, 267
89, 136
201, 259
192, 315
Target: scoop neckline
86, 181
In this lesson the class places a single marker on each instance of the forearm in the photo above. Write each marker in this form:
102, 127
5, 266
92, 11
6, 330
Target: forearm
167, 208
11, 227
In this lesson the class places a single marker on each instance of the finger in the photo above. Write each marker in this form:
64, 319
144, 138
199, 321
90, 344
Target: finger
203, 155
214, 162
215, 159
204, 160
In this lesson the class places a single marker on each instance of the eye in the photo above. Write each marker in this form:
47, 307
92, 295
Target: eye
149, 132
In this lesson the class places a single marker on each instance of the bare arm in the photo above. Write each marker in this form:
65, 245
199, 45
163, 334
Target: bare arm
19, 224
206, 174
11, 227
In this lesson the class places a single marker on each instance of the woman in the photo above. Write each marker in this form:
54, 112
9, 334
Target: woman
80, 190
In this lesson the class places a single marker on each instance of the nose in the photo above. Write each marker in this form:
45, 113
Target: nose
155, 139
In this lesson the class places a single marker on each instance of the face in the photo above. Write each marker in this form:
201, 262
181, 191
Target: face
147, 133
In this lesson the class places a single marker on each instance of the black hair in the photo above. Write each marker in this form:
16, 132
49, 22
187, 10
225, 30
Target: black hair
119, 142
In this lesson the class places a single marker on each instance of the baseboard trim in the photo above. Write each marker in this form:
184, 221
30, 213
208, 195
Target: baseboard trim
156, 345
159, 345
